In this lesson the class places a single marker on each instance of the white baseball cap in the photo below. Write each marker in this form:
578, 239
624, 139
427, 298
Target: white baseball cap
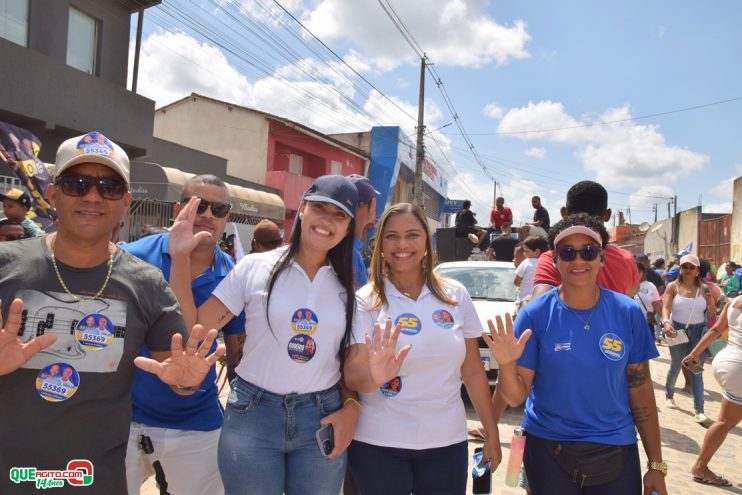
92, 147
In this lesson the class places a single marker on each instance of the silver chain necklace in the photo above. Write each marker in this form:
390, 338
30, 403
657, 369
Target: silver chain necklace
585, 322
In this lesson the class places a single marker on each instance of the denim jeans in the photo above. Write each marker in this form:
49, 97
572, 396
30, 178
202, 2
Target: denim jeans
268, 443
677, 353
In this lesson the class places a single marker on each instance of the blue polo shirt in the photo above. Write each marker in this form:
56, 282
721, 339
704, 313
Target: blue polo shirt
153, 402
360, 274
579, 390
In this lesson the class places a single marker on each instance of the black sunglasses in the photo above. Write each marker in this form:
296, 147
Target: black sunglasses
218, 209
688, 266
110, 188
587, 253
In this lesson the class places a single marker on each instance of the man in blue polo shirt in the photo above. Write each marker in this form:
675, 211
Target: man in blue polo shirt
365, 218
175, 435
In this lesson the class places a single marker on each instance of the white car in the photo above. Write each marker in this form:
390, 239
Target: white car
490, 285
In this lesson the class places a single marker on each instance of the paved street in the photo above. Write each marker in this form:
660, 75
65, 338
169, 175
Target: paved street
681, 439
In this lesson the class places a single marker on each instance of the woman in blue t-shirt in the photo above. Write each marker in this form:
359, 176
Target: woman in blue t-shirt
579, 355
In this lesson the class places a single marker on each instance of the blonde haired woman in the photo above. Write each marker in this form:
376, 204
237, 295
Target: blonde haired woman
413, 425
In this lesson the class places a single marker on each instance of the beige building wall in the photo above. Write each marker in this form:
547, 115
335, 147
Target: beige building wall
688, 228
736, 236
657, 240
220, 129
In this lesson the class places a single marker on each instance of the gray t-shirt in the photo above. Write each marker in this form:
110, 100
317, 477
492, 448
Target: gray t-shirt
49, 414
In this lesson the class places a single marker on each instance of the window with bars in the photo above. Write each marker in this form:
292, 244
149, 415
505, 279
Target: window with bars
295, 164
14, 21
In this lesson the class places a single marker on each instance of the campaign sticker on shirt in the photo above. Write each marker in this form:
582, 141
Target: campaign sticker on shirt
443, 318
392, 387
411, 324
302, 348
304, 321
94, 331
57, 382
612, 346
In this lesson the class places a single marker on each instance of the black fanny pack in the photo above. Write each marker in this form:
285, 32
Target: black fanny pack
589, 464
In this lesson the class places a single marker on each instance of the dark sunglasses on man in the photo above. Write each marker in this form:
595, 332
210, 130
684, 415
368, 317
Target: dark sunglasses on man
218, 209
111, 188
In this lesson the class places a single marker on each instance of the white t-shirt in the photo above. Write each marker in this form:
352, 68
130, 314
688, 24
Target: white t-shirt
647, 294
526, 270
298, 353
423, 409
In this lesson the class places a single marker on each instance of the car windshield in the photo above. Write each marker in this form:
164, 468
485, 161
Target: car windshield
493, 283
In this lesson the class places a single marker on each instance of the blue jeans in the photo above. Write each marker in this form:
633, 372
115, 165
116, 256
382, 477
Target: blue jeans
268, 443
677, 353
395, 471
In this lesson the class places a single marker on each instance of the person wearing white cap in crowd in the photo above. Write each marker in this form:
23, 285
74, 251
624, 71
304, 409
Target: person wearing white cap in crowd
57, 280
579, 355
684, 305
298, 302
365, 218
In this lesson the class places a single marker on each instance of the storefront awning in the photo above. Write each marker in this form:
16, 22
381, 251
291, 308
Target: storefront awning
154, 182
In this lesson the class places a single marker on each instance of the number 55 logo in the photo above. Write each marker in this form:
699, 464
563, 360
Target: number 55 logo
612, 346
410, 323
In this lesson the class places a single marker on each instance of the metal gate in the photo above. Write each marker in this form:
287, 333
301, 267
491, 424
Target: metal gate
714, 239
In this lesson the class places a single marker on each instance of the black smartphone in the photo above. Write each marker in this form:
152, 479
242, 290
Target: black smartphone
483, 483
325, 439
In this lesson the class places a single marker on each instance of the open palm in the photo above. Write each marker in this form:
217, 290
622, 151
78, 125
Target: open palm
186, 367
383, 359
182, 240
13, 353
503, 345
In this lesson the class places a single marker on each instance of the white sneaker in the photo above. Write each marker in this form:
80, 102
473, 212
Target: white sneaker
670, 403
473, 238
702, 419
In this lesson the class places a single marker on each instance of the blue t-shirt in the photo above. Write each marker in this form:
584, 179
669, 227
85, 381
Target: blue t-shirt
580, 391
153, 402
672, 273
360, 275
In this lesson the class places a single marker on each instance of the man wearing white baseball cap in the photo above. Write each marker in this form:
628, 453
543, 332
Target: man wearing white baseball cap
48, 285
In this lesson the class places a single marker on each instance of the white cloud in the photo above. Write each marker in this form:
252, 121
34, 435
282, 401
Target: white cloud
452, 32
493, 110
725, 188
173, 65
622, 153
309, 92
725, 207
535, 152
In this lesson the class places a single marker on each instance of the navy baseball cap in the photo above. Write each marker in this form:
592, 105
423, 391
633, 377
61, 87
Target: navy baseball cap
336, 190
366, 191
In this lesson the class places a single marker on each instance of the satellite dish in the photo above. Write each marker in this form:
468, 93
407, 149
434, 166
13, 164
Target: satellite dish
644, 226
656, 228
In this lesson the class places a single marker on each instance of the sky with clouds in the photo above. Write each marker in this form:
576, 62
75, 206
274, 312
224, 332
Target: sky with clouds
549, 93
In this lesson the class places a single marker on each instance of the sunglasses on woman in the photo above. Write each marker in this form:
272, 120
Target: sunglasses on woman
111, 188
688, 267
218, 209
587, 253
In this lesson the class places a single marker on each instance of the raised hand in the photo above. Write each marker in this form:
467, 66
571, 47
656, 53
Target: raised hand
185, 367
383, 360
502, 344
12, 352
182, 239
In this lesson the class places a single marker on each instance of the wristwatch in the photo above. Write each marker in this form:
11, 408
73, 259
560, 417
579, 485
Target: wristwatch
660, 466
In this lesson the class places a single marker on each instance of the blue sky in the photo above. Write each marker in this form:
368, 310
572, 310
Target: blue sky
509, 68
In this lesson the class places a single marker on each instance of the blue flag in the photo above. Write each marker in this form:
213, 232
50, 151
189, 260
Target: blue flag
686, 250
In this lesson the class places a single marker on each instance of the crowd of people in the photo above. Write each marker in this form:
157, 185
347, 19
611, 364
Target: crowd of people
342, 376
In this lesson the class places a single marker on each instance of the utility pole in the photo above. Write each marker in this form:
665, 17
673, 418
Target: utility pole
494, 198
420, 131
654, 209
